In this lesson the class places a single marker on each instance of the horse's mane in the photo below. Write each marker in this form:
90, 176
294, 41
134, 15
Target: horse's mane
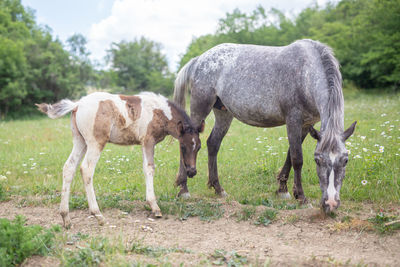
335, 106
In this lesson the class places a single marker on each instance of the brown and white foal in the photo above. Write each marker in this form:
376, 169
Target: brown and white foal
143, 119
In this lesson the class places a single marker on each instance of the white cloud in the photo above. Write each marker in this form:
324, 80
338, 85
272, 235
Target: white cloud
173, 23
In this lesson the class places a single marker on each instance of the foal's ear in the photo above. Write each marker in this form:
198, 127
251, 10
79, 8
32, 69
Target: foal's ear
315, 133
180, 128
349, 131
201, 127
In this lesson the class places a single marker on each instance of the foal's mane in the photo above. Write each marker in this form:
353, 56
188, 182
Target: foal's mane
187, 122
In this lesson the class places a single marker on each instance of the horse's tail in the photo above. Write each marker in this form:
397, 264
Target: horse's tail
58, 109
182, 83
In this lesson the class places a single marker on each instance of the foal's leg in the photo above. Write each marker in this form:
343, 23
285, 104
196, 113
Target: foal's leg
223, 121
70, 166
294, 131
148, 169
87, 170
283, 175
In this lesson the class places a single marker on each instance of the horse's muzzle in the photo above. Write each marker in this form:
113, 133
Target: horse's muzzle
191, 172
330, 205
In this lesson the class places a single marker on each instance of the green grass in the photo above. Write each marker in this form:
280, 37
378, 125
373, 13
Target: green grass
33, 152
19, 242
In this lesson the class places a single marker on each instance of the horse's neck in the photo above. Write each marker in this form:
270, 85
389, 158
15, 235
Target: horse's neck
172, 125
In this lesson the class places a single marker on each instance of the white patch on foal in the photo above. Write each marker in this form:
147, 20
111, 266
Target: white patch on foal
150, 102
194, 144
331, 186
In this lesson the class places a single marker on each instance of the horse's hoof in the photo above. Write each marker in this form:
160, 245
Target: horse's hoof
185, 195
302, 200
223, 194
283, 195
100, 219
157, 214
67, 225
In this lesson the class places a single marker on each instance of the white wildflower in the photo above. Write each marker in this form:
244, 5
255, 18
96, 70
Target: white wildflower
364, 149
8, 172
364, 182
362, 137
357, 157
381, 149
2, 178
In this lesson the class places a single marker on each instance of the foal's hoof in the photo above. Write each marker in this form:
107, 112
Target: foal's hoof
157, 214
302, 201
100, 219
223, 194
283, 195
185, 195
66, 221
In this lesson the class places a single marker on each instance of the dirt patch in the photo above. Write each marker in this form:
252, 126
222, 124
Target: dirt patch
297, 237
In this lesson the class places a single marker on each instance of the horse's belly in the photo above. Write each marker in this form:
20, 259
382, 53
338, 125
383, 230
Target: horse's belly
257, 115
260, 121
124, 136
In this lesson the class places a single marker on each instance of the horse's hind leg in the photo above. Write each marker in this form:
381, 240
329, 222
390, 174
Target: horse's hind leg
283, 175
87, 170
223, 121
78, 150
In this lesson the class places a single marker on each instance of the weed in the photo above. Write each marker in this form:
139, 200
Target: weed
221, 257
18, 242
206, 211
382, 223
138, 248
267, 217
246, 213
3, 194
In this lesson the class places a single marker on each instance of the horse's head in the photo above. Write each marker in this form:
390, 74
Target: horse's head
331, 157
190, 144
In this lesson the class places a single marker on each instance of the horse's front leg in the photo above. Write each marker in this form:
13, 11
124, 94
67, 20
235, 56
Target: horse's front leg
148, 169
294, 131
87, 170
283, 175
223, 121
181, 180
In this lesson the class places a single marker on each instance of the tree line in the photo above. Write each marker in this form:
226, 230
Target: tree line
36, 67
364, 34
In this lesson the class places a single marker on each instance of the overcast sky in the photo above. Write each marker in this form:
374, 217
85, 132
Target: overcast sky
173, 23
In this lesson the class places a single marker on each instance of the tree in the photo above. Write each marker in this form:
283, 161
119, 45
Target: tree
140, 66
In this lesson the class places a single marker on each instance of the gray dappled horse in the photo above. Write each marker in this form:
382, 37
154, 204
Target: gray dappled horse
264, 86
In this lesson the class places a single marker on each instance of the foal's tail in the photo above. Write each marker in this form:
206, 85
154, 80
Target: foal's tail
58, 109
182, 83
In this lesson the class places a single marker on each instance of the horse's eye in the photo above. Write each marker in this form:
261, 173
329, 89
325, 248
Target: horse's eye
317, 160
345, 161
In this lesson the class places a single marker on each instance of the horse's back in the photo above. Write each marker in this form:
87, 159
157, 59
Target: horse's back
258, 84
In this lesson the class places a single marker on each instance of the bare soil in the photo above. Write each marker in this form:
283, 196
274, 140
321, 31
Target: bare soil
297, 237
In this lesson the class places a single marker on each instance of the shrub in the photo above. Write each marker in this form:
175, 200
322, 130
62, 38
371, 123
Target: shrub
18, 242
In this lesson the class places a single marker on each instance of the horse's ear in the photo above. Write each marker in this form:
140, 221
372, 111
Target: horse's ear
349, 131
315, 133
201, 127
180, 128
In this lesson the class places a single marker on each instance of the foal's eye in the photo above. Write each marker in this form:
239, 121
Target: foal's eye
317, 160
345, 161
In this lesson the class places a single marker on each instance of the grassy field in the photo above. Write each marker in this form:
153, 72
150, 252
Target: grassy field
32, 154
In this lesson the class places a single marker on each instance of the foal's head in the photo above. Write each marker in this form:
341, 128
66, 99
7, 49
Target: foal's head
189, 143
331, 157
